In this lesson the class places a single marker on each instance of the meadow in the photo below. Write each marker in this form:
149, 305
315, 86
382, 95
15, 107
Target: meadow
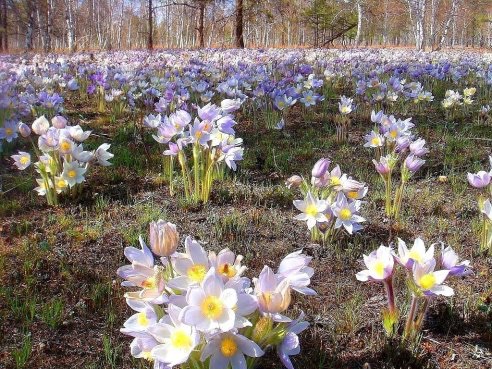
239, 149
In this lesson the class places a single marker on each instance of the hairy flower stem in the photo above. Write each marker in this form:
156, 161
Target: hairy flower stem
196, 170
420, 319
390, 293
388, 206
410, 323
170, 173
398, 200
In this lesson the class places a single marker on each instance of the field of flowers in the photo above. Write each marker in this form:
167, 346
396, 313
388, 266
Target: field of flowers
246, 209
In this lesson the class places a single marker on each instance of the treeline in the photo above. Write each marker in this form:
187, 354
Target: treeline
135, 24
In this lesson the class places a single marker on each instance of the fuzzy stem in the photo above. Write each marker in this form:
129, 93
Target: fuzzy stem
409, 325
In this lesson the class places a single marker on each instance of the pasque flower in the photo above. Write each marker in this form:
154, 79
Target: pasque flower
229, 350
430, 281
312, 210
176, 340
22, 160
480, 179
417, 253
273, 294
347, 214
290, 344
450, 261
163, 238
210, 305
379, 265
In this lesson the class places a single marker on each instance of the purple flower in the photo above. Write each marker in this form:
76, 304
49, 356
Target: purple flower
290, 344
24, 130
382, 166
9, 131
480, 179
413, 163
320, 167
417, 147
449, 261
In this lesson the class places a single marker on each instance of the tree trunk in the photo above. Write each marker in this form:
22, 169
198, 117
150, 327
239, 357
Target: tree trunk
69, 18
359, 23
201, 24
451, 17
150, 40
239, 24
30, 25
2, 31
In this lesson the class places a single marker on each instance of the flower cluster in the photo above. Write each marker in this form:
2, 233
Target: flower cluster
202, 148
198, 310
393, 141
426, 273
62, 162
332, 200
483, 181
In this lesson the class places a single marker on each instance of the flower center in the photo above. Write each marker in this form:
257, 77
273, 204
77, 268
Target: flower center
379, 268
227, 270
72, 173
311, 210
352, 194
228, 347
345, 214
24, 160
146, 355
61, 183
197, 272
427, 281
335, 181
65, 146
413, 254
181, 340
345, 109
9, 131
393, 134
212, 307
142, 319
376, 141
149, 283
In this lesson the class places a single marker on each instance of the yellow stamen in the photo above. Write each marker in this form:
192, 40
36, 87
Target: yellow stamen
24, 160
142, 319
227, 270
345, 214
413, 254
149, 283
352, 194
197, 272
427, 281
9, 131
65, 146
378, 268
376, 141
228, 347
311, 210
212, 307
72, 173
335, 181
181, 340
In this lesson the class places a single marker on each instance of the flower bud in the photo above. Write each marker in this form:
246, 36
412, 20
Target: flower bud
320, 167
163, 238
59, 122
40, 126
24, 130
294, 181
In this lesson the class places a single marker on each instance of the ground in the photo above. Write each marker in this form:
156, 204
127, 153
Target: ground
58, 264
